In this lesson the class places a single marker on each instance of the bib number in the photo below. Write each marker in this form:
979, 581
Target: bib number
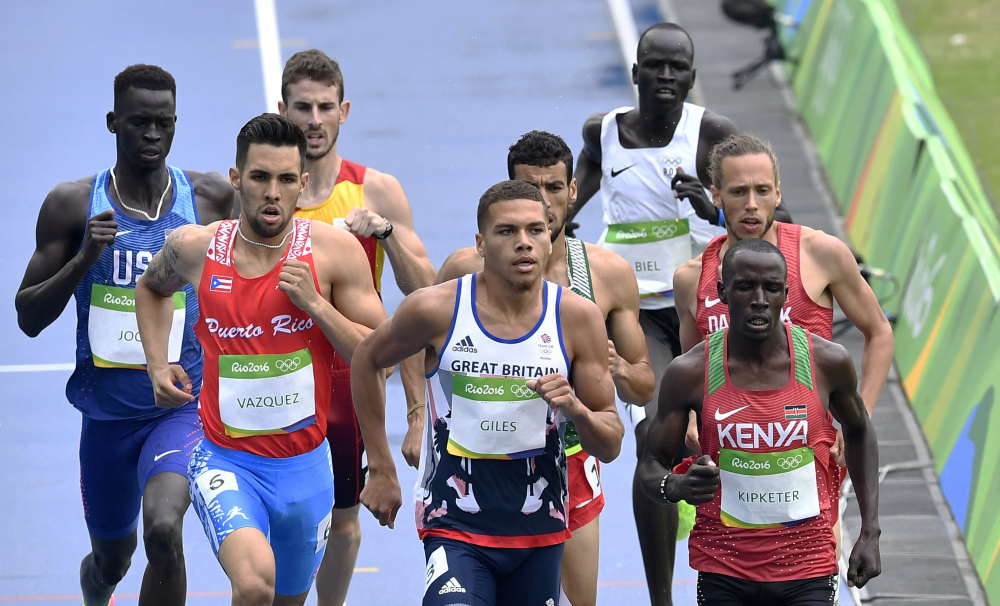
654, 249
761, 490
266, 394
114, 331
496, 418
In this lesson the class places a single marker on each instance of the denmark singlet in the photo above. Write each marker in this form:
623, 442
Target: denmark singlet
267, 363
493, 471
580, 282
645, 222
110, 380
712, 314
772, 517
348, 193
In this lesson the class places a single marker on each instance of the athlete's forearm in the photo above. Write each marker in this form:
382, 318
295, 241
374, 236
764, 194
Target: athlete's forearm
40, 305
412, 270
635, 383
154, 314
368, 390
861, 451
411, 374
601, 433
343, 334
876, 359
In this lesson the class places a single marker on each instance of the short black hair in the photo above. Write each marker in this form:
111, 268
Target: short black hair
505, 191
540, 148
270, 129
315, 65
140, 75
666, 26
757, 245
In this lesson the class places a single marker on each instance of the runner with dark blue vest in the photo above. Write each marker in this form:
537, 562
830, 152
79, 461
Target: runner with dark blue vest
95, 237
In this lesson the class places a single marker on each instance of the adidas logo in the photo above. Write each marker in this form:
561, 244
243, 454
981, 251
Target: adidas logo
465, 345
452, 586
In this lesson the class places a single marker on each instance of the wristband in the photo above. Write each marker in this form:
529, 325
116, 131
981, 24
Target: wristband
721, 222
663, 488
414, 407
388, 231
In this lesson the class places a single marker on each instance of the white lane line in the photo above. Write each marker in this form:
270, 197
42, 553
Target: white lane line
270, 52
36, 367
628, 39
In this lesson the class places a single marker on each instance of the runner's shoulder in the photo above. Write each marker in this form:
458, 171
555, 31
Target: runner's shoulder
459, 263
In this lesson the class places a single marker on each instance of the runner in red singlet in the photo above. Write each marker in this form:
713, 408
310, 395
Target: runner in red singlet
762, 389
278, 296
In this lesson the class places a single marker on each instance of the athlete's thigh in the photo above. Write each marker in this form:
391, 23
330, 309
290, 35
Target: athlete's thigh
458, 574
818, 591
300, 515
109, 455
163, 464
224, 494
535, 580
723, 590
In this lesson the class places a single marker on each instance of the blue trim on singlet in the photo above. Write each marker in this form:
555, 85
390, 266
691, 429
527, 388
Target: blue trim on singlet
451, 329
562, 344
545, 308
124, 393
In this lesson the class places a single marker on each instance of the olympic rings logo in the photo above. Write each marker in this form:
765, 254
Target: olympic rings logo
522, 391
789, 462
287, 365
664, 231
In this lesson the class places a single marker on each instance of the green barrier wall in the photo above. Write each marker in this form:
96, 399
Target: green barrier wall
914, 205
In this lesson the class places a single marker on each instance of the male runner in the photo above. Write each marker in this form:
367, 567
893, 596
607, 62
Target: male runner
650, 165
545, 161
262, 481
763, 390
503, 345
372, 205
95, 237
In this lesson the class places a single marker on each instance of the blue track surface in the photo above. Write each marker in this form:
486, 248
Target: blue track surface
439, 91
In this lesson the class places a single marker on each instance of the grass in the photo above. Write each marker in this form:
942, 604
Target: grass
961, 42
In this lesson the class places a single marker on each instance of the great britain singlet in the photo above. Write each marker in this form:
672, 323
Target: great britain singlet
799, 309
493, 471
348, 193
646, 223
267, 363
110, 380
772, 518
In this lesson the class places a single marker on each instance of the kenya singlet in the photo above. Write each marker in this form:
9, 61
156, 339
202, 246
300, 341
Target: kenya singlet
800, 309
110, 380
348, 193
647, 224
493, 471
772, 517
267, 363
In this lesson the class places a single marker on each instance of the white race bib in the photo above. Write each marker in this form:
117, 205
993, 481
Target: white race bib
264, 394
114, 332
654, 249
761, 490
496, 418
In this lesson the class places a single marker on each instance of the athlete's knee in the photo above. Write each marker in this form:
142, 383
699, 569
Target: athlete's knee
163, 540
252, 591
344, 527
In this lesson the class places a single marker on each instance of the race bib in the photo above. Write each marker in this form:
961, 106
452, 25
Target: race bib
496, 418
114, 332
264, 394
654, 249
761, 490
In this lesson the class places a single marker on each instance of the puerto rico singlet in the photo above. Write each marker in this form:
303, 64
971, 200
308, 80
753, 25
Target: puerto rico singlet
772, 517
493, 471
348, 193
800, 309
267, 364
646, 224
110, 380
